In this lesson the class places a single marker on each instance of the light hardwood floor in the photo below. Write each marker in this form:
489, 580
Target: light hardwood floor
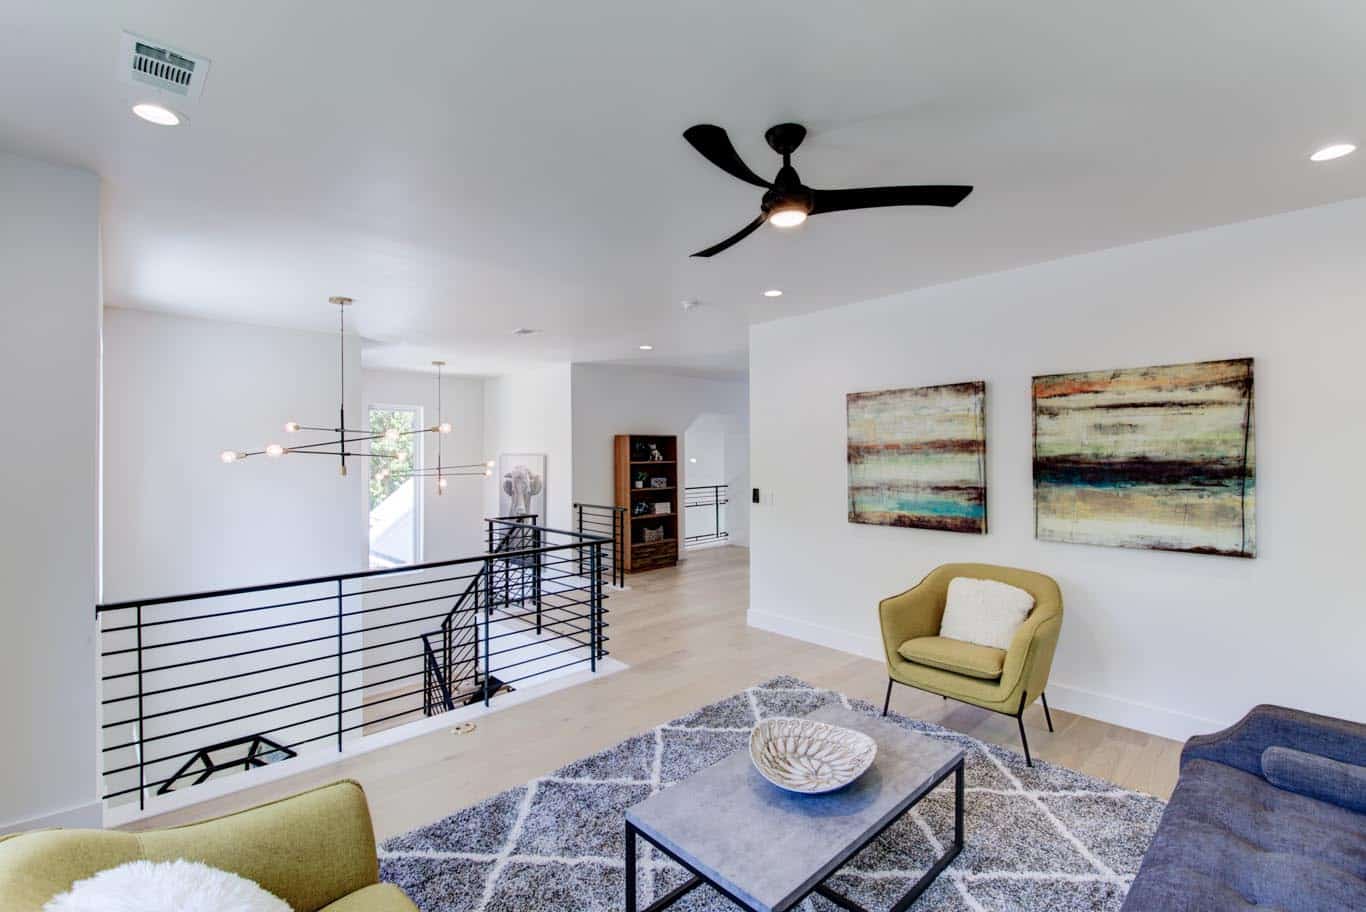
682, 631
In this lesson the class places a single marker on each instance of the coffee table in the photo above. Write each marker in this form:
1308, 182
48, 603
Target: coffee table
767, 849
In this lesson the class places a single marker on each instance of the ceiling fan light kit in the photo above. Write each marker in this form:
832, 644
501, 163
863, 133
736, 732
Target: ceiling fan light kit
342, 445
787, 202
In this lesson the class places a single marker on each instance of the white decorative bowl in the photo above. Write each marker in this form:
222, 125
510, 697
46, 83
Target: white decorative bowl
803, 755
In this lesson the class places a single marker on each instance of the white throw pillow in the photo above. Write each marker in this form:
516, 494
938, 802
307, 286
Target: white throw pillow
165, 886
984, 611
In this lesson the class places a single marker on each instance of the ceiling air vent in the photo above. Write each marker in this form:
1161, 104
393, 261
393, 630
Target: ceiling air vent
156, 64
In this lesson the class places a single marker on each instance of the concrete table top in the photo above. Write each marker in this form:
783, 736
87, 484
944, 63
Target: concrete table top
768, 846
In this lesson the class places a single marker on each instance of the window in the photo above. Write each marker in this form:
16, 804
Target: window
395, 493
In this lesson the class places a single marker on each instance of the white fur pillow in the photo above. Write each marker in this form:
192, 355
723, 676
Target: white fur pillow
165, 886
984, 611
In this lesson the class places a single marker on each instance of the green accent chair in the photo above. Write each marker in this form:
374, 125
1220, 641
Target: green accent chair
1001, 680
316, 851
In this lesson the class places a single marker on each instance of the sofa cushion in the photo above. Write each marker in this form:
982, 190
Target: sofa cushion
955, 655
383, 897
1232, 840
984, 611
1343, 784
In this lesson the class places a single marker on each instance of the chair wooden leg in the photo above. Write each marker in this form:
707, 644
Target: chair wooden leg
1046, 714
1019, 720
887, 703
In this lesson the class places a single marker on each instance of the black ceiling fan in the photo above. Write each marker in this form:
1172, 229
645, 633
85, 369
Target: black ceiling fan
787, 201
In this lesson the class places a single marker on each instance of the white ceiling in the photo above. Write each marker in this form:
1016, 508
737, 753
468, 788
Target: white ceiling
463, 169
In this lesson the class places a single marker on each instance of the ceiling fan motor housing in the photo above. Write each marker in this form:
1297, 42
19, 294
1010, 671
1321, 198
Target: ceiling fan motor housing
787, 196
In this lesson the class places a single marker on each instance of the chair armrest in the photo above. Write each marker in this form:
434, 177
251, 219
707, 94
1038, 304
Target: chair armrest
1241, 744
910, 614
1034, 639
310, 850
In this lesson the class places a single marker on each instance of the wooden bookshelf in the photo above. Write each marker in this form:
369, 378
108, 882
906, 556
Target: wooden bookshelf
658, 480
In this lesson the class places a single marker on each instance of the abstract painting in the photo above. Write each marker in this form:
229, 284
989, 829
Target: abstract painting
917, 457
1154, 457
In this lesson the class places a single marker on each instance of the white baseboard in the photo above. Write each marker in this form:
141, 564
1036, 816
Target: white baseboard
85, 816
820, 634
1144, 717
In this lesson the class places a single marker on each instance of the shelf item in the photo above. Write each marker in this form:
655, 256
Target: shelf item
633, 465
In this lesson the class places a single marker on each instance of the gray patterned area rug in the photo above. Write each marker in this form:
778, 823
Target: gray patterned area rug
1037, 838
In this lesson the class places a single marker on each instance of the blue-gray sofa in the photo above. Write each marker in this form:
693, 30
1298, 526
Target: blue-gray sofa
1231, 839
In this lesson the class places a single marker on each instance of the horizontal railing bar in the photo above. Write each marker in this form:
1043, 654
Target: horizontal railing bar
358, 574
556, 668
548, 655
171, 712
128, 791
231, 719
323, 598
187, 753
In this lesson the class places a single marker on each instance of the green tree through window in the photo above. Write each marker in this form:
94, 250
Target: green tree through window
387, 474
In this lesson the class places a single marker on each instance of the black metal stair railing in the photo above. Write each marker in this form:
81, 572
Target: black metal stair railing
608, 522
702, 507
309, 665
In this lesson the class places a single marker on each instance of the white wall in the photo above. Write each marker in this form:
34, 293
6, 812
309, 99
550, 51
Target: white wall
1169, 643
530, 411
611, 400
452, 523
178, 391
49, 369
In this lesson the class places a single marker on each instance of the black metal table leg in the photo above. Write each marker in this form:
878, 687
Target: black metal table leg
630, 868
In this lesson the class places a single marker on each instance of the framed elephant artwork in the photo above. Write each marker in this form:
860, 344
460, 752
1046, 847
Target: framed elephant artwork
521, 485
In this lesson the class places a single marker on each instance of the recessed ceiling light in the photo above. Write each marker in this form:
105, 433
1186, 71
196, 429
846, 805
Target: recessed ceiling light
647, 348
525, 331
155, 113
774, 293
1328, 153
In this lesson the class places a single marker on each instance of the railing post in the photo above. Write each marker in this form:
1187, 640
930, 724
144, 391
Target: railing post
339, 666
487, 617
716, 501
142, 761
619, 549
536, 574
594, 603
579, 529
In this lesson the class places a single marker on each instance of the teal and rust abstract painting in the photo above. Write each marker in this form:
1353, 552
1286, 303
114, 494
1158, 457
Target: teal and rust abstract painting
1155, 457
917, 457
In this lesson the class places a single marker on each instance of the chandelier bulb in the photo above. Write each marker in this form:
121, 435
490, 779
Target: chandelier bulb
391, 434
444, 427
441, 485
274, 450
229, 456
488, 472
489, 465
291, 427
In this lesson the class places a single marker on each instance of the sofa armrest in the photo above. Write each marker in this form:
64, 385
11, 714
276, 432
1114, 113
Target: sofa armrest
1241, 744
910, 614
310, 849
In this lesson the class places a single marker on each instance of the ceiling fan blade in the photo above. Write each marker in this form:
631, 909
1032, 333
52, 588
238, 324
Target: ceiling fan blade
877, 197
716, 148
734, 239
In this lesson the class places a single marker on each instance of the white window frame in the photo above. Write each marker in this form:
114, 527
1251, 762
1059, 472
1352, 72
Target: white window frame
419, 489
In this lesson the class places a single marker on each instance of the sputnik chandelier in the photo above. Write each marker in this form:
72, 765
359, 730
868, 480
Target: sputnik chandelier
342, 445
